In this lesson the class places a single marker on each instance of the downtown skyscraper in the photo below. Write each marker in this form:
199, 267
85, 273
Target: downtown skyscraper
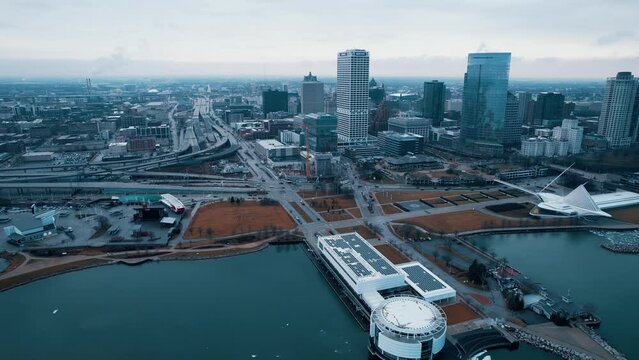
352, 95
619, 117
485, 98
312, 95
434, 101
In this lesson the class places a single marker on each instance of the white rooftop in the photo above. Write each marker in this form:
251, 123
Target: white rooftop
408, 313
409, 316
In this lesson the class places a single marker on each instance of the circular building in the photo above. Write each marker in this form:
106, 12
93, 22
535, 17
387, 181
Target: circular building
407, 327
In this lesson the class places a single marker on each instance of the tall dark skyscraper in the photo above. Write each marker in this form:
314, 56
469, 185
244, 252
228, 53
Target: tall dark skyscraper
525, 98
512, 122
274, 101
434, 101
484, 102
549, 106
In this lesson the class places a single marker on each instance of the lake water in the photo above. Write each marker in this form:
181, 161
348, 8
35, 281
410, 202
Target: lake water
272, 304
574, 261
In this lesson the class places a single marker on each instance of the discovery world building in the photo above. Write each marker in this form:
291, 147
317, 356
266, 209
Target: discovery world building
401, 301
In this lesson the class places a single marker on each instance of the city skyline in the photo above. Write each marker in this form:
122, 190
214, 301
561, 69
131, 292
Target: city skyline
155, 39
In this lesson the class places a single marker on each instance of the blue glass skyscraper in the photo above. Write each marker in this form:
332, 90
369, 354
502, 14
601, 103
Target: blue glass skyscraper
484, 102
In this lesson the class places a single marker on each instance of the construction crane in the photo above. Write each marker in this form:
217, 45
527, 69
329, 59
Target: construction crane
308, 153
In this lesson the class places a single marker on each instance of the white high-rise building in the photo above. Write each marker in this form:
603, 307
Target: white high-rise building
617, 122
312, 95
571, 132
352, 95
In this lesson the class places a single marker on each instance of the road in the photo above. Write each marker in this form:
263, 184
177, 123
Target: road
174, 133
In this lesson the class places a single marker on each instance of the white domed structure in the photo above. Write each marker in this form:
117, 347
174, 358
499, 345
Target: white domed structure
407, 327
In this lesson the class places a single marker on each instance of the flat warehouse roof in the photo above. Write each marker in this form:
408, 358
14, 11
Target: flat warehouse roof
616, 199
358, 255
429, 285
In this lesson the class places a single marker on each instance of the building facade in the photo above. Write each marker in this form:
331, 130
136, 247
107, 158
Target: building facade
618, 119
322, 132
352, 95
484, 102
434, 101
524, 99
395, 144
410, 124
274, 101
312, 95
512, 125
549, 106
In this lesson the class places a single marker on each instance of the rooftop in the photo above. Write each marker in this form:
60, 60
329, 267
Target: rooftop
427, 284
410, 316
360, 257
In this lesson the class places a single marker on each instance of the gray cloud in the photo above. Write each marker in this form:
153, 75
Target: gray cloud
110, 64
616, 37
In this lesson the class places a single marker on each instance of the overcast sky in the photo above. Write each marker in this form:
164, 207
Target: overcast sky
558, 38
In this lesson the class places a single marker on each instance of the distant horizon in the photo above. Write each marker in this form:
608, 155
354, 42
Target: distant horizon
433, 68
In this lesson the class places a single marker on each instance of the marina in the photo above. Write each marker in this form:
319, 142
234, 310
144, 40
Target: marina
563, 263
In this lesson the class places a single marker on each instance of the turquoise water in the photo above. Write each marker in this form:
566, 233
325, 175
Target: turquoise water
272, 304
564, 261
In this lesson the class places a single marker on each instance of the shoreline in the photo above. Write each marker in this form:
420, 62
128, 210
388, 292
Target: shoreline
536, 229
97, 262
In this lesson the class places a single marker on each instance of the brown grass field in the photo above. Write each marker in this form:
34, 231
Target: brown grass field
336, 215
459, 313
475, 220
333, 202
356, 212
459, 200
391, 209
363, 230
227, 219
628, 214
387, 197
392, 254
496, 194
300, 211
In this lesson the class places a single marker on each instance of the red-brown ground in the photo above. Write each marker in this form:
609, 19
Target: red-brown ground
386, 197
391, 209
226, 219
363, 230
336, 215
481, 299
475, 220
392, 254
628, 214
355, 212
459, 313
332, 202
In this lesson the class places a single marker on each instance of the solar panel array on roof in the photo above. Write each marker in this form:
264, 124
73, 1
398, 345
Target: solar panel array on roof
422, 279
353, 263
377, 262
